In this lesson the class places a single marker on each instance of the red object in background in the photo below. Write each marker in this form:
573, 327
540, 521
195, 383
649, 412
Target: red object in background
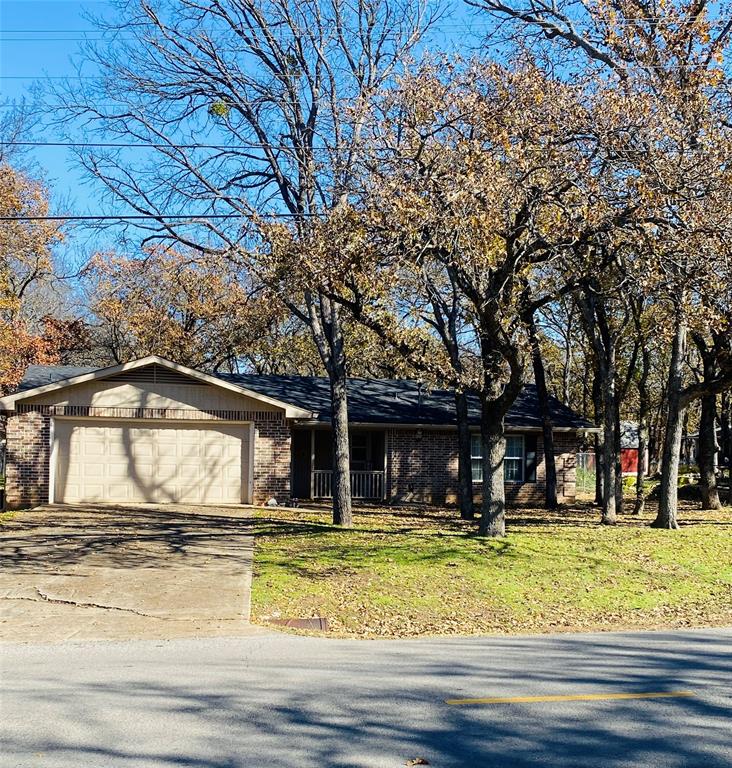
629, 460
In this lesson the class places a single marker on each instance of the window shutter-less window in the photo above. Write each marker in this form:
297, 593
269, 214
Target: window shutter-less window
530, 459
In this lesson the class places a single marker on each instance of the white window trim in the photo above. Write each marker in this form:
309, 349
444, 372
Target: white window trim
521, 458
475, 440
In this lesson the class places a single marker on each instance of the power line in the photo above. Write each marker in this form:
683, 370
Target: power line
437, 25
156, 217
111, 36
172, 147
262, 145
145, 145
705, 66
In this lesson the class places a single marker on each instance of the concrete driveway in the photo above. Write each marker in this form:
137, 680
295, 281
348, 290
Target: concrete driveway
125, 572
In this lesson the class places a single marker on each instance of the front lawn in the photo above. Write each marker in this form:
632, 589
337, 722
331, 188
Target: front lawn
405, 572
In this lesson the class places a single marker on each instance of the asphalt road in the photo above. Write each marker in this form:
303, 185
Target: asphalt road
274, 700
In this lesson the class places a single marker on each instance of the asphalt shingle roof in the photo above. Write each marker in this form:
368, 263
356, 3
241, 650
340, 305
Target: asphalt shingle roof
372, 401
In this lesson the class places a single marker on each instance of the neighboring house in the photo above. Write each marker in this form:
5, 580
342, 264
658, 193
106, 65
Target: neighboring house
629, 448
152, 430
690, 449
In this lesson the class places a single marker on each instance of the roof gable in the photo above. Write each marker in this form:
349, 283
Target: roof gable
146, 369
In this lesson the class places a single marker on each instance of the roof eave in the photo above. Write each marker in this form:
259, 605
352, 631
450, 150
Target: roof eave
312, 422
7, 404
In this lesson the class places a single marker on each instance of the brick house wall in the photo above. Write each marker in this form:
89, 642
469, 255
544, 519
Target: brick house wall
566, 445
27, 459
29, 452
425, 469
417, 470
272, 446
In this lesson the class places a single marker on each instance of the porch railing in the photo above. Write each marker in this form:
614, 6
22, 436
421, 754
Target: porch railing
364, 485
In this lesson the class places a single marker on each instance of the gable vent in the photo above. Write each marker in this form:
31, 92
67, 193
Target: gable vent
154, 374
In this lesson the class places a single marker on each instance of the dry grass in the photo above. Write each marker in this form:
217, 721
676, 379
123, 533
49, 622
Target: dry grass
406, 572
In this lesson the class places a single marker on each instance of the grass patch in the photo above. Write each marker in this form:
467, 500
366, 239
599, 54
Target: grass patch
6, 517
408, 572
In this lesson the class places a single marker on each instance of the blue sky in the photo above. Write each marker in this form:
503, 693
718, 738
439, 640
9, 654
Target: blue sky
39, 39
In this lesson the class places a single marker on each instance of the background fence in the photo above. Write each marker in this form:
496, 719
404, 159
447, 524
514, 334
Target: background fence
586, 472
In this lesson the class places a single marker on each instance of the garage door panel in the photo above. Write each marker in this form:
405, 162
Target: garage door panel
119, 491
93, 471
170, 462
143, 476
118, 470
93, 492
95, 447
136, 451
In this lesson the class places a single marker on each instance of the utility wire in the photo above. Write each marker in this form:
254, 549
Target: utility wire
629, 67
436, 25
145, 145
155, 217
260, 145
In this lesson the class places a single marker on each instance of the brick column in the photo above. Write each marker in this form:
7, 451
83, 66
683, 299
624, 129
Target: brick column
28, 456
272, 442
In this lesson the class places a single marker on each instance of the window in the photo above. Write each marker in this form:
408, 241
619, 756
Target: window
476, 458
513, 463
360, 450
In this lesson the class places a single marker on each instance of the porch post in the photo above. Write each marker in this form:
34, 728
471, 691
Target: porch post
312, 463
385, 465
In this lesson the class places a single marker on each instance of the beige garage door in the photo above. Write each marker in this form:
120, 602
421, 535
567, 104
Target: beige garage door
172, 462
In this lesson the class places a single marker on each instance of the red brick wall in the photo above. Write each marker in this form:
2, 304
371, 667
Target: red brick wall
421, 470
271, 461
27, 461
416, 470
425, 470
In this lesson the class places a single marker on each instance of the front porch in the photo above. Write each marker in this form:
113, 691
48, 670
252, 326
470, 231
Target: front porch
312, 464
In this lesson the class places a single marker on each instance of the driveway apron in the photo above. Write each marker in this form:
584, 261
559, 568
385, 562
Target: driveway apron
125, 572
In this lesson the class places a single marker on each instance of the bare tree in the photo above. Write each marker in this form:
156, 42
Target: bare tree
461, 202
251, 110
667, 59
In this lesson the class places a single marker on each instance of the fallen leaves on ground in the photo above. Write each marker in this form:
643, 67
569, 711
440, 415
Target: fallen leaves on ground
406, 572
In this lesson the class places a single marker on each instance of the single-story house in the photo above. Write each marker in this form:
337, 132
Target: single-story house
155, 431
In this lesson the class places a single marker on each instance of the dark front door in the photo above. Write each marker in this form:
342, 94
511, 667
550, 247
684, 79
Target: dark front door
301, 449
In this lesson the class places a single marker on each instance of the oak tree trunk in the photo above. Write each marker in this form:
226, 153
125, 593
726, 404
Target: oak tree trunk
465, 468
547, 427
725, 419
325, 324
643, 409
708, 452
603, 340
342, 507
617, 451
609, 488
493, 507
599, 447
668, 501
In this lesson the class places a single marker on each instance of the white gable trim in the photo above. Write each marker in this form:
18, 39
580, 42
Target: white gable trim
291, 411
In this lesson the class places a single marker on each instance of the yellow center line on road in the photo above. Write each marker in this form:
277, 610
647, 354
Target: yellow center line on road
570, 697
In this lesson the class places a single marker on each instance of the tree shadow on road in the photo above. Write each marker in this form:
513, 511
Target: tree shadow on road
332, 704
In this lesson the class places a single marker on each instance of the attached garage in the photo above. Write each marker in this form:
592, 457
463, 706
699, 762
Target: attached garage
173, 462
146, 431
